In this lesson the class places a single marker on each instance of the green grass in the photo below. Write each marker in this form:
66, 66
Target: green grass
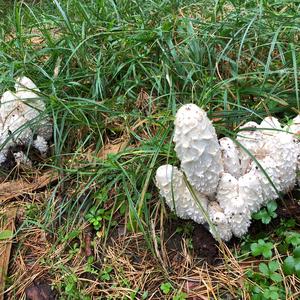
237, 59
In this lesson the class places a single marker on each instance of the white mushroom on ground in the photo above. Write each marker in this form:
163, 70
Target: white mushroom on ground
220, 227
250, 191
294, 128
20, 119
170, 182
270, 126
227, 190
197, 147
238, 180
230, 157
252, 139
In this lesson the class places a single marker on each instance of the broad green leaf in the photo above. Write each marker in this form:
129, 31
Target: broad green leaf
267, 253
271, 206
270, 294
276, 277
289, 265
296, 252
273, 265
255, 249
263, 268
293, 238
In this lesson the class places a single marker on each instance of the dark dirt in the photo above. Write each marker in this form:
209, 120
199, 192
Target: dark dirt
205, 247
40, 291
290, 208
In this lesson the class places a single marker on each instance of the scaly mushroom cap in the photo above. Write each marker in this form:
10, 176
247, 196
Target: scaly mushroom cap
294, 128
171, 184
7, 105
220, 227
253, 141
284, 151
238, 216
197, 147
270, 126
15, 124
230, 157
24, 83
269, 190
250, 191
17, 111
33, 105
22, 159
227, 190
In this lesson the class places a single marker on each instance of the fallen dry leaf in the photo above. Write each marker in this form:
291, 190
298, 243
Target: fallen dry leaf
113, 147
5, 246
15, 188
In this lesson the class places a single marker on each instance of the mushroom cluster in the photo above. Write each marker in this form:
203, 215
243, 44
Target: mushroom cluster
22, 123
223, 182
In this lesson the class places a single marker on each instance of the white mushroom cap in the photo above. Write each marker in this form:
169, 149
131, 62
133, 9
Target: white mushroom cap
198, 149
17, 110
22, 159
227, 190
284, 151
271, 125
253, 141
220, 227
238, 216
269, 189
250, 191
230, 156
7, 104
24, 83
15, 124
295, 126
171, 184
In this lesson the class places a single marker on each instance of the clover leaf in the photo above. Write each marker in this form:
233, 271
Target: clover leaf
291, 264
262, 248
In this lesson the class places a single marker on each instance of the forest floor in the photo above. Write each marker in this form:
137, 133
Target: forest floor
87, 222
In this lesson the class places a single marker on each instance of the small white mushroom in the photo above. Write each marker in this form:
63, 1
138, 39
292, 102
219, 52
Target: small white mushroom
238, 216
252, 140
220, 227
294, 128
197, 147
284, 151
268, 178
22, 159
250, 191
230, 157
270, 126
227, 190
172, 187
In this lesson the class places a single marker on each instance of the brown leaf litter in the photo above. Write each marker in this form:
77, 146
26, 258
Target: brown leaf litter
15, 188
7, 222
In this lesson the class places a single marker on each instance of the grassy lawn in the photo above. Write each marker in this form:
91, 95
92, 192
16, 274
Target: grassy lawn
113, 73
